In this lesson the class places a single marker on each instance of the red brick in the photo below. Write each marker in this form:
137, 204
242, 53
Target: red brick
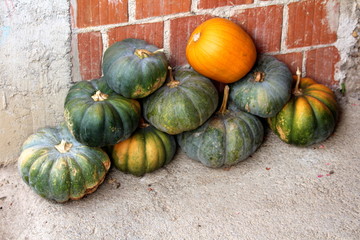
180, 31
101, 12
292, 60
153, 8
205, 4
264, 24
151, 32
321, 65
312, 22
90, 50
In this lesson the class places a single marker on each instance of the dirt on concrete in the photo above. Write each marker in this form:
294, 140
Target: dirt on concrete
280, 192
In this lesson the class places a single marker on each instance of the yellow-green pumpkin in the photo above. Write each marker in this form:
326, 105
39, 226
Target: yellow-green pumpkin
58, 167
309, 117
147, 150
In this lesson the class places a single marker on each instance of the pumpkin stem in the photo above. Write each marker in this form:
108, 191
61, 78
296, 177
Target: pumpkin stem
64, 146
259, 76
225, 100
143, 124
173, 83
143, 53
297, 91
99, 96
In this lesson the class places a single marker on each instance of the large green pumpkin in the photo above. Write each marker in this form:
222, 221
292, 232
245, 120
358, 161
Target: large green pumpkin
227, 138
309, 117
182, 104
97, 116
58, 167
147, 150
134, 68
265, 89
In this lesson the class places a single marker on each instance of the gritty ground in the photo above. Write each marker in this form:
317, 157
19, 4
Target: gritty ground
281, 192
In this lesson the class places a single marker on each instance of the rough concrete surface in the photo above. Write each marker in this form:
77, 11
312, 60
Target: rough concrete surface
281, 192
35, 69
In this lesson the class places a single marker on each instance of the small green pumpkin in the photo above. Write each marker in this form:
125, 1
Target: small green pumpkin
227, 138
182, 104
97, 116
134, 68
58, 167
309, 117
265, 90
147, 150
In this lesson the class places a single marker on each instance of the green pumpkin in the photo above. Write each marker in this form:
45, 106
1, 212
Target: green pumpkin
227, 138
182, 104
147, 150
309, 117
134, 68
58, 167
265, 89
97, 116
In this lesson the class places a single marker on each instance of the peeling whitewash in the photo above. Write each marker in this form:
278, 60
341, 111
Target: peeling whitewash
37, 67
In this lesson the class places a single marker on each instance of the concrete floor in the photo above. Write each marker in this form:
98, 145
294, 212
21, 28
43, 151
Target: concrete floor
281, 192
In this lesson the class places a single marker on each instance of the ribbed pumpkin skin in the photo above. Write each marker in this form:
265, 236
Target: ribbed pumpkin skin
183, 107
100, 123
308, 118
130, 75
147, 150
221, 50
224, 140
267, 97
61, 176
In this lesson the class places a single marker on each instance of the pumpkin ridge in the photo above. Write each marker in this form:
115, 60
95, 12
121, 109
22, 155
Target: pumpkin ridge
72, 164
52, 179
311, 100
290, 122
162, 148
246, 147
329, 101
38, 162
309, 108
185, 90
41, 173
84, 161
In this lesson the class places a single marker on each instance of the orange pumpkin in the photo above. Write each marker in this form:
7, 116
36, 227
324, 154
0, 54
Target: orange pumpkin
221, 50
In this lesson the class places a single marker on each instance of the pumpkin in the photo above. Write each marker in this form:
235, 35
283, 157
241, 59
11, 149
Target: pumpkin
58, 167
185, 102
147, 150
265, 89
227, 138
134, 68
309, 117
221, 50
97, 116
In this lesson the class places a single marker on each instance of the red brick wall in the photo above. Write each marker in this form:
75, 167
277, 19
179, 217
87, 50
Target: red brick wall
300, 33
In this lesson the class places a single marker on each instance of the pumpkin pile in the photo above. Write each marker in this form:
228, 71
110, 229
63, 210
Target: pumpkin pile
137, 114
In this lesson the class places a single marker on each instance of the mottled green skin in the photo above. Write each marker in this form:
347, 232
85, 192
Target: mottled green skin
61, 176
309, 117
182, 108
147, 150
224, 140
265, 98
100, 123
130, 75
